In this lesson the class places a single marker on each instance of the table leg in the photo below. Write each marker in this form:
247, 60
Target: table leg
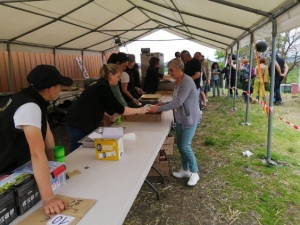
159, 173
153, 188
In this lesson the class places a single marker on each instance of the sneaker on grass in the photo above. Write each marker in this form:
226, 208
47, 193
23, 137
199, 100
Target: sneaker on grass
182, 173
194, 178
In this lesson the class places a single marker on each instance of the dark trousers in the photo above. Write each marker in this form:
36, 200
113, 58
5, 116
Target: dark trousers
278, 81
232, 84
75, 135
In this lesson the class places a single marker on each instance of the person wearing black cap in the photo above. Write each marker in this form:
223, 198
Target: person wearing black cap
25, 133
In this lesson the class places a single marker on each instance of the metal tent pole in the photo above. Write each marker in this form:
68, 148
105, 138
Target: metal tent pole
237, 68
270, 121
223, 82
249, 82
229, 79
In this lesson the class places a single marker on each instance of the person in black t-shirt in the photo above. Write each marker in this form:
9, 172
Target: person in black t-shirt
152, 76
281, 70
192, 68
232, 76
94, 103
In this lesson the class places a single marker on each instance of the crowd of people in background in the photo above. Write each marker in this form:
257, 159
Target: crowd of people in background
117, 92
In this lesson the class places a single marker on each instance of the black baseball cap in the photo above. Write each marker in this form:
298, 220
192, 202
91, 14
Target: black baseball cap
46, 76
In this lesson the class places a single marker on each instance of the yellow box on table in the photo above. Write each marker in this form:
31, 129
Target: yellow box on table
110, 147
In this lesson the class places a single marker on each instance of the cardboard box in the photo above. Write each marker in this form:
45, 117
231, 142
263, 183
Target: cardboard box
78, 83
149, 117
25, 190
57, 172
162, 164
169, 139
8, 208
151, 97
164, 172
168, 145
110, 147
168, 149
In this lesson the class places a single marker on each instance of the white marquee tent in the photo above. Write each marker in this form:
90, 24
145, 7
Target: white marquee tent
94, 25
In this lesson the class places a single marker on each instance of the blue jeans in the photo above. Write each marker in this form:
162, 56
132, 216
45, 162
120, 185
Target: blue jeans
184, 141
216, 85
75, 135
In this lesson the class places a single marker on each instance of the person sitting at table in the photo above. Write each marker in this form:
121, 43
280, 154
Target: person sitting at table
187, 114
25, 133
127, 85
96, 100
152, 76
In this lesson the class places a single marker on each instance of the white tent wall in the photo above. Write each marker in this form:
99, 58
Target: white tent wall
93, 25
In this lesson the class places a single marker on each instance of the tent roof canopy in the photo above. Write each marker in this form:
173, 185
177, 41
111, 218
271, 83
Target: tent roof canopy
94, 25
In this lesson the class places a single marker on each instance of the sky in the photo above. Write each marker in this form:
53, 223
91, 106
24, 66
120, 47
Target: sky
168, 48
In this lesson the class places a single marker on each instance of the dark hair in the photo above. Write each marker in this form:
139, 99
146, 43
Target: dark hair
136, 66
177, 53
185, 52
213, 65
262, 60
153, 61
120, 58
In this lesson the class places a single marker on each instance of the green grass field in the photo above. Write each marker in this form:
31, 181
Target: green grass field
234, 189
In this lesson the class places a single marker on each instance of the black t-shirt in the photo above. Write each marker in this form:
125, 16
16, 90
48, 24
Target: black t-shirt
87, 112
191, 67
281, 63
151, 79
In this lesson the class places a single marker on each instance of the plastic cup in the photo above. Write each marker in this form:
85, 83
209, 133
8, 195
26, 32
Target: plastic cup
59, 153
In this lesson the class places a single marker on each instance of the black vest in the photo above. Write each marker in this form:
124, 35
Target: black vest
14, 150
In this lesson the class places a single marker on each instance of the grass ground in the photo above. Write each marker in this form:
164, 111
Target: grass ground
233, 189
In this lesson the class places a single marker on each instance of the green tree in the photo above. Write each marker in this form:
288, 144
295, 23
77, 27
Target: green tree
220, 57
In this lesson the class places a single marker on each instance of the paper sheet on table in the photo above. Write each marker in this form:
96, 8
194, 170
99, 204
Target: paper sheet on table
110, 132
129, 137
95, 135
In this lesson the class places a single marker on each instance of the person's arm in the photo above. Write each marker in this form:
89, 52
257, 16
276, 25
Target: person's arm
286, 70
126, 92
233, 66
177, 101
41, 171
49, 144
196, 75
277, 67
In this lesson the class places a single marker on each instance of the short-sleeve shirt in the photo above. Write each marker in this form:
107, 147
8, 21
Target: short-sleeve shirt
28, 114
125, 78
191, 67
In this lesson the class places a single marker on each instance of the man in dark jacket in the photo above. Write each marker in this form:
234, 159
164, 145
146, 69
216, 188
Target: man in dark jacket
25, 134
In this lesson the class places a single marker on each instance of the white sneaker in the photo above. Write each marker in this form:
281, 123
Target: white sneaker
194, 178
182, 173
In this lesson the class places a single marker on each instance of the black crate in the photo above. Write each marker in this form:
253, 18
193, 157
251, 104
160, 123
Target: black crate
8, 208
